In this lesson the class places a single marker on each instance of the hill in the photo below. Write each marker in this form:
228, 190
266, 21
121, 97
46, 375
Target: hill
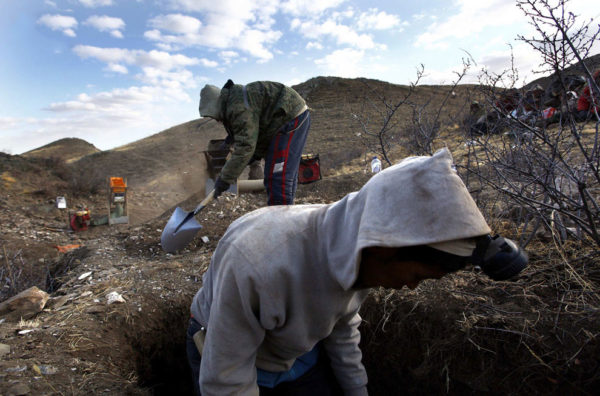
592, 63
68, 149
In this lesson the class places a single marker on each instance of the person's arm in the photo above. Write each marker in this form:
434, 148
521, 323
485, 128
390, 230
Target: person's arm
244, 124
345, 355
233, 336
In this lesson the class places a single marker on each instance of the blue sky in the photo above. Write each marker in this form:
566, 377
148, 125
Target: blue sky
115, 71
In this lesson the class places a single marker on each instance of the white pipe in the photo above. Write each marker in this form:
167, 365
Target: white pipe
244, 186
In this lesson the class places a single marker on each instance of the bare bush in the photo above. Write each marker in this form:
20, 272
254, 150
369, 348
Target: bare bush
16, 273
550, 171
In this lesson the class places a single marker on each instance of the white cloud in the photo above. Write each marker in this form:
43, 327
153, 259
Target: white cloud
229, 57
105, 23
240, 25
343, 63
342, 34
176, 23
96, 3
473, 17
116, 68
314, 44
299, 7
63, 23
377, 20
157, 59
110, 118
50, 3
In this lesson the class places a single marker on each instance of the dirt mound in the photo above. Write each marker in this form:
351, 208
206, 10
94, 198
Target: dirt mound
68, 150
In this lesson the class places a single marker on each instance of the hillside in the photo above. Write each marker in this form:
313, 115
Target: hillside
68, 149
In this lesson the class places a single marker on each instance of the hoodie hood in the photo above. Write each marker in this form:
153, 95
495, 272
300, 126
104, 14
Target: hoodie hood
209, 102
419, 201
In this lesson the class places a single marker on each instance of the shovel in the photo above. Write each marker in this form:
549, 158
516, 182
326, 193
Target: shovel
182, 227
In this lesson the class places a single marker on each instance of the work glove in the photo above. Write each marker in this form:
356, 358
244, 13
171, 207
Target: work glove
220, 186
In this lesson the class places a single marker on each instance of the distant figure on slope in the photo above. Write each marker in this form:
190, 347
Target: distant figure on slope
278, 307
263, 119
375, 165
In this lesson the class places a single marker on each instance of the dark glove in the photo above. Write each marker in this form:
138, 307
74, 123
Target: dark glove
220, 186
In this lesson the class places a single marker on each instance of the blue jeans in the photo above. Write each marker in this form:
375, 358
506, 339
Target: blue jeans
318, 381
283, 159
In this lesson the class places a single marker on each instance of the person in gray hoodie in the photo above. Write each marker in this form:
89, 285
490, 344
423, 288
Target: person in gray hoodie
277, 313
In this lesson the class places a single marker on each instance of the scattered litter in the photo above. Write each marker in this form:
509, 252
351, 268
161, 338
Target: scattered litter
114, 297
16, 369
66, 248
26, 331
61, 203
205, 239
84, 275
43, 369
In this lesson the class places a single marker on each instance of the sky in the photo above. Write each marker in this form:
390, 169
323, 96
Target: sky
115, 71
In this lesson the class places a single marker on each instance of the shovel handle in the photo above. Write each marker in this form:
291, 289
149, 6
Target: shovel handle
204, 202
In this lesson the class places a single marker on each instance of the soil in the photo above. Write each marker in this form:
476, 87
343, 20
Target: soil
461, 335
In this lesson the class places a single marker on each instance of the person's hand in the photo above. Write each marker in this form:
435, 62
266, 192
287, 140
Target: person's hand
220, 186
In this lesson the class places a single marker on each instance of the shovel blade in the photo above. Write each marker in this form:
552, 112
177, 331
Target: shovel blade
179, 231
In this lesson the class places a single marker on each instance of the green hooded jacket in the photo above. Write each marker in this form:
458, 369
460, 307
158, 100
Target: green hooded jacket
252, 115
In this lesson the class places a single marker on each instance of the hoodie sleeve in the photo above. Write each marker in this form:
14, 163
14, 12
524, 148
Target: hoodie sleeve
232, 339
244, 124
345, 355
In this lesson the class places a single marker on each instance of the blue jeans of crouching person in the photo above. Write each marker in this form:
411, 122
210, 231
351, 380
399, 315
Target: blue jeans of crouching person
316, 379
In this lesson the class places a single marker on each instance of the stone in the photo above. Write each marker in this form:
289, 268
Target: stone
114, 297
24, 305
18, 390
4, 350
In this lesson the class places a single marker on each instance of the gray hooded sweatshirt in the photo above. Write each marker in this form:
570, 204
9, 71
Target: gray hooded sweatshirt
281, 278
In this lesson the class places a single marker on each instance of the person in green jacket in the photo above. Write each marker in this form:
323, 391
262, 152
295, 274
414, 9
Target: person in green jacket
263, 119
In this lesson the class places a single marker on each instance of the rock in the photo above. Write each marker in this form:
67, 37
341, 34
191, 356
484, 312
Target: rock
4, 350
84, 275
24, 305
18, 390
114, 297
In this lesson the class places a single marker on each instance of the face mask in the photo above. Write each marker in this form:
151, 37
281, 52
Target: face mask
499, 258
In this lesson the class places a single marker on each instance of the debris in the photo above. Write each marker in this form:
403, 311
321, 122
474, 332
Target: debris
16, 369
61, 203
26, 331
44, 369
66, 248
24, 305
205, 239
114, 297
84, 275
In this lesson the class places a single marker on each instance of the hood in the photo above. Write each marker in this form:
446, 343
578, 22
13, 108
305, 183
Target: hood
209, 102
419, 201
